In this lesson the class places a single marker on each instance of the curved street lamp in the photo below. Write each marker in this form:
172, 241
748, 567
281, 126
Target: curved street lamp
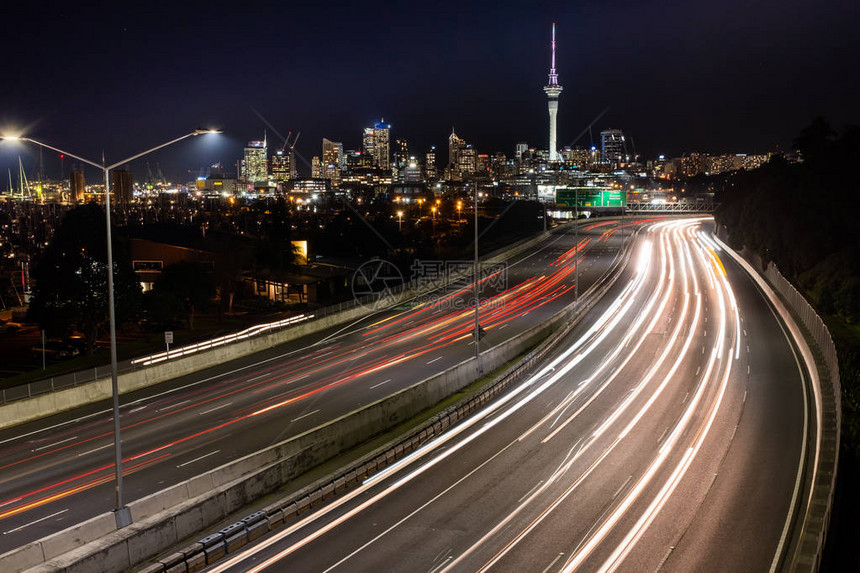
122, 513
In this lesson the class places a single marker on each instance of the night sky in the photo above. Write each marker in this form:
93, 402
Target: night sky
678, 76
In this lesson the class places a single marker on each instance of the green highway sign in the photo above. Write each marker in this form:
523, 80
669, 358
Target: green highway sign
591, 197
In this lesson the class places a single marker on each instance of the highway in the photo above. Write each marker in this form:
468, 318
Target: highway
664, 433
59, 471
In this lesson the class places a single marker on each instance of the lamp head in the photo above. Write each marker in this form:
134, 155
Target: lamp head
10, 138
205, 131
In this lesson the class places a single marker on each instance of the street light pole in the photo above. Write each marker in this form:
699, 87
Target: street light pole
576, 242
480, 366
122, 513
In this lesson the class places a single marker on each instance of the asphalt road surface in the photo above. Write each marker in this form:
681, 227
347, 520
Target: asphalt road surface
59, 471
664, 434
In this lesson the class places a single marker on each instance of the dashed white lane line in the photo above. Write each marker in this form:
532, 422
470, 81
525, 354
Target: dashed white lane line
173, 406
304, 416
554, 561
215, 408
55, 443
435, 359
95, 450
34, 522
198, 459
380, 384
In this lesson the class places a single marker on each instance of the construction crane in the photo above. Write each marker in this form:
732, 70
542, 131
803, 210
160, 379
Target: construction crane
287, 143
150, 184
159, 174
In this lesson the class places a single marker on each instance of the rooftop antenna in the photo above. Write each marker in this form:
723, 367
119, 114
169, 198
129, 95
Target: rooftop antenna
553, 75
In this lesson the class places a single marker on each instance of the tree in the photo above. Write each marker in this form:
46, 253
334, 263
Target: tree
232, 256
190, 282
71, 279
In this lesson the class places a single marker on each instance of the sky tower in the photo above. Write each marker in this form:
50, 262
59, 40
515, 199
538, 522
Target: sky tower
553, 90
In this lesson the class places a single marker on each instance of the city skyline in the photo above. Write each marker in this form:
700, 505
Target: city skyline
677, 79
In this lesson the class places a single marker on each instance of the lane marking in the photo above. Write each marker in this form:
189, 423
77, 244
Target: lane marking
304, 416
443, 564
173, 405
198, 459
434, 360
95, 450
554, 561
531, 491
215, 408
380, 384
614, 495
56, 443
35, 522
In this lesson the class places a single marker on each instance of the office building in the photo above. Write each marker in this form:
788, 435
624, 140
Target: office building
254, 168
612, 146
376, 144
430, 164
333, 160
283, 166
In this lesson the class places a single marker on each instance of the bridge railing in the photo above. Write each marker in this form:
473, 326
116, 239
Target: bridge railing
685, 207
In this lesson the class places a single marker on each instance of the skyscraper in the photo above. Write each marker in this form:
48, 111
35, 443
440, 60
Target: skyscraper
254, 170
283, 166
467, 160
401, 154
455, 144
332, 160
521, 149
376, 144
553, 90
462, 157
612, 146
430, 163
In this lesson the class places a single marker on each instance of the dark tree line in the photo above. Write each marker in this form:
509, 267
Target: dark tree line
802, 216
71, 279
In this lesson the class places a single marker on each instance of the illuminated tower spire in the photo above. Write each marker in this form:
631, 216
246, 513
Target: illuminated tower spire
553, 90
